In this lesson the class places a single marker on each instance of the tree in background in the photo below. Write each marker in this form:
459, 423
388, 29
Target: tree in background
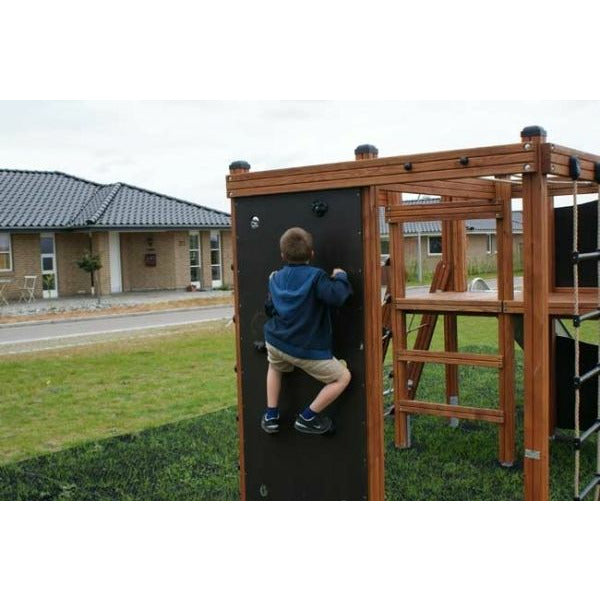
91, 263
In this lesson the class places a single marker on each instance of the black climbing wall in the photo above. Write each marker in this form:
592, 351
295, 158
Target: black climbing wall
563, 244
290, 465
565, 347
565, 392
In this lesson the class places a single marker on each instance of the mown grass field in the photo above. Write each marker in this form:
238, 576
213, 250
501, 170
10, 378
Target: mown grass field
154, 419
61, 398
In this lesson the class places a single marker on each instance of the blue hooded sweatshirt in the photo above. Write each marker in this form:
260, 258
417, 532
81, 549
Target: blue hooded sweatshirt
299, 301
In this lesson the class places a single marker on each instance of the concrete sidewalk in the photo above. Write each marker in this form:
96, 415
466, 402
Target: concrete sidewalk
91, 304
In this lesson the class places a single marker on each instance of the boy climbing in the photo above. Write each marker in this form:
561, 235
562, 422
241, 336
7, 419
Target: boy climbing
298, 332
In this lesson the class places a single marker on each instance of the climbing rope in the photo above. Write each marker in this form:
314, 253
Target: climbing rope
577, 476
577, 424
597, 492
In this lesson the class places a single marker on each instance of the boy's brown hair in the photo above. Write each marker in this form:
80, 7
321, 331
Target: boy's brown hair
296, 245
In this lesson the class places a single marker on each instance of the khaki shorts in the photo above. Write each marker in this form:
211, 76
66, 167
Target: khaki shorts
327, 370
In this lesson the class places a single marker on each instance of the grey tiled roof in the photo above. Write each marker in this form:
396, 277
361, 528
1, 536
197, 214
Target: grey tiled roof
136, 207
53, 200
33, 199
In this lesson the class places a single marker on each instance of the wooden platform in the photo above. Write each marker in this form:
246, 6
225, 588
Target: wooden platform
466, 303
561, 303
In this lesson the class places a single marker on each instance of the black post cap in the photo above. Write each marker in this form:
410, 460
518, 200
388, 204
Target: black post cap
239, 164
533, 131
365, 149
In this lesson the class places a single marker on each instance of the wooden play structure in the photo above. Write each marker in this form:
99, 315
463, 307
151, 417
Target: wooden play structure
475, 183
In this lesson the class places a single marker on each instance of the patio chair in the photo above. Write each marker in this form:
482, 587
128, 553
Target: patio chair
4, 285
28, 288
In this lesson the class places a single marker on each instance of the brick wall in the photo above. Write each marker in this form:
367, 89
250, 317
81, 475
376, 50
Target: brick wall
165, 275
172, 269
205, 245
25, 261
181, 251
227, 258
72, 280
100, 247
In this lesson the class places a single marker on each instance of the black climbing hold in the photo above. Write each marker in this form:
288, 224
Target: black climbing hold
463, 160
319, 208
408, 166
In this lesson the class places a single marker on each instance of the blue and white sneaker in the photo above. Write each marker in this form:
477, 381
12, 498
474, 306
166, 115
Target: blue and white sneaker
269, 425
319, 424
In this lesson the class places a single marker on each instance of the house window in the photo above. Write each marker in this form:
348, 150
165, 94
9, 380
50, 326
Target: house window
215, 258
5, 252
491, 243
195, 259
434, 245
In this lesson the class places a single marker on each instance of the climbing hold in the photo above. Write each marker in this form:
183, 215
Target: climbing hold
319, 208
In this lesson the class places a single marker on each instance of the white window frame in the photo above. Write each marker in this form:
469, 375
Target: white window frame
198, 250
488, 248
216, 283
10, 259
53, 293
429, 238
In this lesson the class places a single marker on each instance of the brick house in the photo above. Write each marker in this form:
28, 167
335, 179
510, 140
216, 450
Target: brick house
423, 243
145, 240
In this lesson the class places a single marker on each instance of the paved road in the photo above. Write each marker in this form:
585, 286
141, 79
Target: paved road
22, 338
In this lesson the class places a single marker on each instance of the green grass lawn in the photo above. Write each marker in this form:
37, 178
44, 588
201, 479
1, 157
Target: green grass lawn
56, 400
154, 419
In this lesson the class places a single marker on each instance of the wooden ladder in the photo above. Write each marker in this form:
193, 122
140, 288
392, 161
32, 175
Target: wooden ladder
450, 276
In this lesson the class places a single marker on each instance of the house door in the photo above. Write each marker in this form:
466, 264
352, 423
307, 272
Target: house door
114, 248
48, 263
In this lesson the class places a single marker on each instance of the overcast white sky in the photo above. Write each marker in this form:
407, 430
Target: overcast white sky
183, 148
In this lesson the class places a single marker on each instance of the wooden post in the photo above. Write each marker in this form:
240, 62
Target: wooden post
236, 167
454, 253
399, 333
365, 152
373, 328
506, 337
536, 323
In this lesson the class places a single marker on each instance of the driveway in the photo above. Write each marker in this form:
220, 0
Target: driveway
23, 338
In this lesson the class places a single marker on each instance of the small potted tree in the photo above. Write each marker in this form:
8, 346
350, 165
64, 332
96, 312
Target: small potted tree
91, 263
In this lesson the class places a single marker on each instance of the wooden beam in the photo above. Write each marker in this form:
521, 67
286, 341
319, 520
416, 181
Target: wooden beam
559, 162
462, 188
491, 415
475, 209
494, 160
561, 188
560, 302
455, 302
493, 361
